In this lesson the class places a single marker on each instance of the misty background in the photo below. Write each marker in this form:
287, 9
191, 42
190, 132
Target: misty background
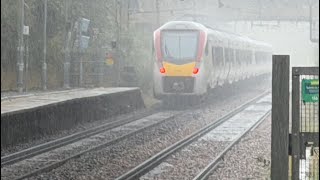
124, 28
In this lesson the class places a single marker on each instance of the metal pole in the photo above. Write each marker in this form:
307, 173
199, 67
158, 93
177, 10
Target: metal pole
310, 21
80, 55
128, 14
194, 7
295, 101
280, 117
116, 51
44, 65
20, 64
66, 79
120, 60
158, 13
27, 65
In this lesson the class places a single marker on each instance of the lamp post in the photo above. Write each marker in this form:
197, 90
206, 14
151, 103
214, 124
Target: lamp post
158, 13
44, 62
66, 64
20, 64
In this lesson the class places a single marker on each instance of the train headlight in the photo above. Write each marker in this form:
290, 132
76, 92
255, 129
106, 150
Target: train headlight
162, 70
195, 70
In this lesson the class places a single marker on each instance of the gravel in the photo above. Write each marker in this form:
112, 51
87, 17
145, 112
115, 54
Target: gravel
117, 159
45, 159
49, 137
190, 160
250, 159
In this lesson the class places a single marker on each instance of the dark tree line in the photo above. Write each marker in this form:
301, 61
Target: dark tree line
104, 27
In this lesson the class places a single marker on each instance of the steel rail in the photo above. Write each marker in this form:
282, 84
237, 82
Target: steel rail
155, 160
103, 145
205, 173
45, 147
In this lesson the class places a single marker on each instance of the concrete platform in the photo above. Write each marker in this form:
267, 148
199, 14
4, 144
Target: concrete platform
30, 117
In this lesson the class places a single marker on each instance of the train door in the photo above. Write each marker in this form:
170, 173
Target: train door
217, 61
244, 64
224, 68
234, 69
237, 64
220, 63
209, 65
252, 63
258, 63
243, 57
248, 61
241, 62
231, 63
212, 67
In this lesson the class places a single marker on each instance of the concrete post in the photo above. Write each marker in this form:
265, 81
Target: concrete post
280, 117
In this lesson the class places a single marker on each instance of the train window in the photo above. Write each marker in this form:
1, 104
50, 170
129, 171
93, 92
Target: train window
259, 56
179, 46
213, 55
217, 56
229, 55
218, 53
236, 54
226, 54
265, 57
207, 48
247, 56
262, 57
232, 59
239, 56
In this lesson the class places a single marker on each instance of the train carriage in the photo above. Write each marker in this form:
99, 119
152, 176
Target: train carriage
192, 58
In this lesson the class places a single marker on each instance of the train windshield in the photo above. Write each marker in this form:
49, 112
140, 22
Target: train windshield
179, 46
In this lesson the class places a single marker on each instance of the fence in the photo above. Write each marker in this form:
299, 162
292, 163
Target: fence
305, 123
294, 155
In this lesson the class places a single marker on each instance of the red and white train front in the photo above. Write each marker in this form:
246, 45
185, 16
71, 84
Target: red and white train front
179, 69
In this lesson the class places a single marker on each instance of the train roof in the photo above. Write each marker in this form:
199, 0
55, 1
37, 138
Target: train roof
219, 36
182, 24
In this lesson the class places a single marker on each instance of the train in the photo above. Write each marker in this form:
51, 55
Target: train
191, 59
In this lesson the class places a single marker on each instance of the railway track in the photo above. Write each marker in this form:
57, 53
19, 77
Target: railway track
45, 157
179, 160
45, 147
